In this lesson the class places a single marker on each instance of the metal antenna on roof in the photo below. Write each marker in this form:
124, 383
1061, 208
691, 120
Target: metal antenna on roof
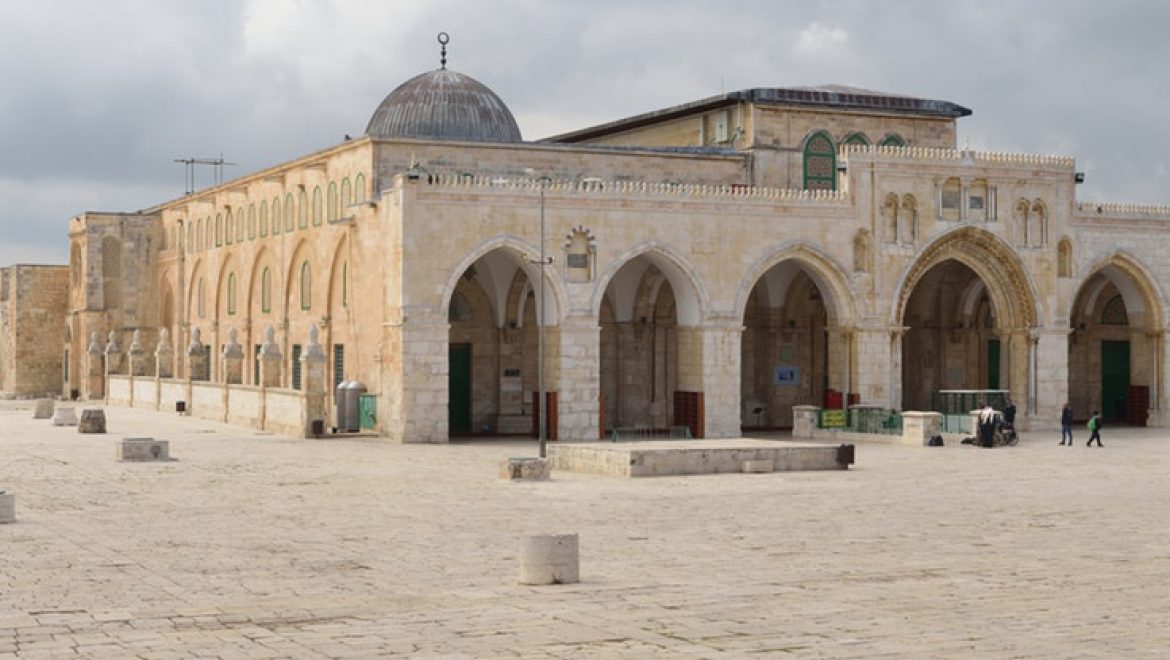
444, 39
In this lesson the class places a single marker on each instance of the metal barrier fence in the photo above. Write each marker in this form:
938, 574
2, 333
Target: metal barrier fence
881, 421
957, 424
639, 433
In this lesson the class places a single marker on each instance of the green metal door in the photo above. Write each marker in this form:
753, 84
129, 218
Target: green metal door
1114, 378
459, 389
368, 410
993, 364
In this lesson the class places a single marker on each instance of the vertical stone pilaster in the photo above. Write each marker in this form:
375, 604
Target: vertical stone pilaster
416, 367
721, 357
164, 356
1052, 376
233, 360
873, 365
579, 379
95, 369
314, 390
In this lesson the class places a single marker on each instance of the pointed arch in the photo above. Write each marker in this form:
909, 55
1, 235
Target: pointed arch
828, 275
690, 293
1010, 288
302, 254
1137, 285
820, 162
516, 249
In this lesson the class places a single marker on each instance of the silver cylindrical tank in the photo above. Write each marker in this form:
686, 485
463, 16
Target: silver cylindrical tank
353, 413
339, 401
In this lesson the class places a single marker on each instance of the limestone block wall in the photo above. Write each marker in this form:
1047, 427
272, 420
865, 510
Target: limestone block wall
33, 302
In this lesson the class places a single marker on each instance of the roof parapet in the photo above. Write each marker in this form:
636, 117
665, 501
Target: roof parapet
928, 154
637, 188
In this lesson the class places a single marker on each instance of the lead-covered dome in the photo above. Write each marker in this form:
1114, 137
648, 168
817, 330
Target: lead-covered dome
444, 105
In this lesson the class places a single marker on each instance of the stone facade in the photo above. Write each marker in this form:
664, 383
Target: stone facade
32, 330
714, 266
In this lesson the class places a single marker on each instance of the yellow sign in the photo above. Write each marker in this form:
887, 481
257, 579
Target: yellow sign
833, 419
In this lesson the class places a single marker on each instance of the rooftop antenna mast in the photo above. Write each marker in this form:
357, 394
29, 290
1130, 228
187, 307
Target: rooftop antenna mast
189, 167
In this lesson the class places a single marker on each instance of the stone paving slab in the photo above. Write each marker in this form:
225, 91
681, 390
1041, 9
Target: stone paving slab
261, 546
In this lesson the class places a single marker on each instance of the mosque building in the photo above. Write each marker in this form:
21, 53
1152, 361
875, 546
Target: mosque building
708, 265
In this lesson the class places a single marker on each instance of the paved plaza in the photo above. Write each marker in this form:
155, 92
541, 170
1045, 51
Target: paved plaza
252, 545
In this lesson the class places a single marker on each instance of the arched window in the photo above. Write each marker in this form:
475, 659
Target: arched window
892, 140
207, 233
111, 273
251, 221
289, 211
1114, 312
820, 162
306, 286
201, 298
332, 201
227, 227
275, 216
345, 284
239, 224
303, 210
231, 293
218, 229
1038, 225
359, 189
346, 197
266, 291
890, 217
1064, 259
317, 206
857, 138
263, 219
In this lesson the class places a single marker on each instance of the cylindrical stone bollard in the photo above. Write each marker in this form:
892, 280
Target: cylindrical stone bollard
44, 409
93, 420
7, 507
549, 559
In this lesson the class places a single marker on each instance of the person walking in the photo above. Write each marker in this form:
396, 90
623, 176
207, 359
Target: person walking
1095, 429
1066, 424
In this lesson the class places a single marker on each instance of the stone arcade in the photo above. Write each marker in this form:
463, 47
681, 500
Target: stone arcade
714, 264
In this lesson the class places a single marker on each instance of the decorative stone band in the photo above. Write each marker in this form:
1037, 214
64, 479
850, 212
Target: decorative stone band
1159, 211
636, 188
929, 154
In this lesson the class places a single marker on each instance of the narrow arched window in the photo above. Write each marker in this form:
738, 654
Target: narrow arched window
359, 189
218, 229
263, 219
345, 284
1064, 260
239, 224
266, 291
207, 233
275, 216
820, 162
306, 286
231, 293
346, 196
227, 227
318, 209
303, 210
251, 221
331, 204
892, 140
201, 298
857, 139
289, 212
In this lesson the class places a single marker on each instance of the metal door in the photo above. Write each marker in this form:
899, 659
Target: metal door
459, 389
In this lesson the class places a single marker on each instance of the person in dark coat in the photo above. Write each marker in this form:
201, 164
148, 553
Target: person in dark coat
987, 425
1066, 424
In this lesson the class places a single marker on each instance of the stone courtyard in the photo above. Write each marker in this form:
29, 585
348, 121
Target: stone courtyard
253, 545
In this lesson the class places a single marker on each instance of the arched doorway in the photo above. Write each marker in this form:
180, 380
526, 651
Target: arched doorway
785, 349
952, 340
1114, 345
493, 344
648, 358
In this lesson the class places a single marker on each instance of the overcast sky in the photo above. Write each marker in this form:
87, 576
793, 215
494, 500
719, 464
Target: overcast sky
98, 98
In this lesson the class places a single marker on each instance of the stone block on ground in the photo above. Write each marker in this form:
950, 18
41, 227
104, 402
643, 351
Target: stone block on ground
44, 409
65, 416
144, 450
549, 559
7, 507
93, 420
525, 469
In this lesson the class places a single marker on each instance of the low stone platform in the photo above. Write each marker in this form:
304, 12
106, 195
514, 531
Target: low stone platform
675, 457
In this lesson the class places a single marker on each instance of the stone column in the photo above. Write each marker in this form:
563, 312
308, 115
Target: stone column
579, 382
271, 360
164, 356
137, 355
1158, 415
894, 374
1051, 383
196, 360
95, 369
233, 360
721, 345
840, 362
114, 355
314, 389
416, 366
873, 365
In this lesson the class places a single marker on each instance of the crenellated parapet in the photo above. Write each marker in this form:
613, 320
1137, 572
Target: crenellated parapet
635, 188
959, 156
1123, 211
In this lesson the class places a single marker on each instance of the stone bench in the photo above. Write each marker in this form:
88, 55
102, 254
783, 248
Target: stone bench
143, 450
64, 416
